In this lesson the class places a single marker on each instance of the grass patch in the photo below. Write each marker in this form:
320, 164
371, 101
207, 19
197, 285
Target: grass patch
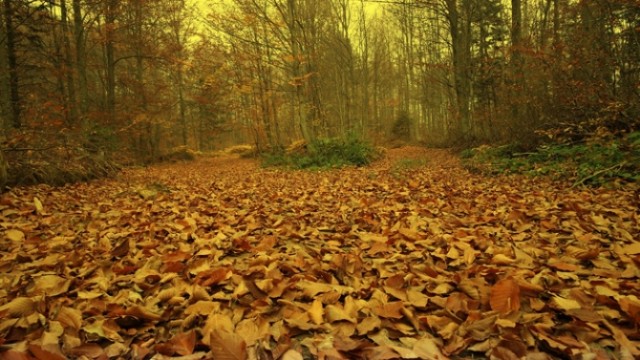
589, 163
324, 154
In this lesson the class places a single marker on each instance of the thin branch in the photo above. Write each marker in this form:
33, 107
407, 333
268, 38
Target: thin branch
597, 173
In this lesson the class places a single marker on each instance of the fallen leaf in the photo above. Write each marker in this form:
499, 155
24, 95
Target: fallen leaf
181, 344
20, 306
14, 235
227, 346
316, 312
38, 205
505, 296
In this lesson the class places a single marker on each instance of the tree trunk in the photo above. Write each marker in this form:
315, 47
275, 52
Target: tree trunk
81, 60
15, 100
71, 104
110, 61
516, 63
461, 48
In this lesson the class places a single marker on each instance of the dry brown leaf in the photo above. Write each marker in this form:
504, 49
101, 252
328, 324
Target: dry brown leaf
505, 296
391, 310
227, 346
181, 344
41, 353
631, 305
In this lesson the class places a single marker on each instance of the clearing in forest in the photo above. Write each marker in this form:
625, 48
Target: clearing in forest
412, 258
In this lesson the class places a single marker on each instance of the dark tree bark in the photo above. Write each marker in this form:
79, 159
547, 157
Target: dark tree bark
81, 58
460, 28
15, 101
110, 19
70, 103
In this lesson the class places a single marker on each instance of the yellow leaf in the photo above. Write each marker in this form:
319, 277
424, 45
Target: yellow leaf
38, 204
217, 322
632, 249
566, 304
502, 259
368, 324
316, 312
14, 235
51, 285
417, 299
335, 313
427, 348
20, 306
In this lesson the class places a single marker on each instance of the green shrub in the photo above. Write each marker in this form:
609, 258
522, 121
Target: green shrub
325, 153
595, 163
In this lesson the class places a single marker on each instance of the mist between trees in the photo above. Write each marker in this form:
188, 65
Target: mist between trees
132, 79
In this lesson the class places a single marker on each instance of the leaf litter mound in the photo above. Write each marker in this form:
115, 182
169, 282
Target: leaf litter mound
220, 259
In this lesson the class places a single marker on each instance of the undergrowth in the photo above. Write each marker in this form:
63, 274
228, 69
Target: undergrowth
325, 153
594, 163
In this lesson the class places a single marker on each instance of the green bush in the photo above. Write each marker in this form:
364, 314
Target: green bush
325, 153
594, 163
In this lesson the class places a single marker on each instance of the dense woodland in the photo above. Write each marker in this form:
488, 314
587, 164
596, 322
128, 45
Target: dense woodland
133, 79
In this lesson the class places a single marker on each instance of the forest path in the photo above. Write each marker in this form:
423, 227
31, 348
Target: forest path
219, 258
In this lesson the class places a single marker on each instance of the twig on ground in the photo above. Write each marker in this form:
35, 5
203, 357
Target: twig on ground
599, 172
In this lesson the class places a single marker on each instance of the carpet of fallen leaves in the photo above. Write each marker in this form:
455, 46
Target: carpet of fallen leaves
222, 259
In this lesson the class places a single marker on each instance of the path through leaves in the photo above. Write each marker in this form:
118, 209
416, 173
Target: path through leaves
220, 259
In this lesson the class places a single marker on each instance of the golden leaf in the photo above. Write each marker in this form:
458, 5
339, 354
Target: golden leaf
20, 306
70, 317
38, 205
428, 348
14, 235
51, 285
565, 304
335, 313
227, 346
368, 324
316, 312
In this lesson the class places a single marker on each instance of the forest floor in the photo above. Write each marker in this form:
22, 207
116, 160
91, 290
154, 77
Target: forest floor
413, 257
